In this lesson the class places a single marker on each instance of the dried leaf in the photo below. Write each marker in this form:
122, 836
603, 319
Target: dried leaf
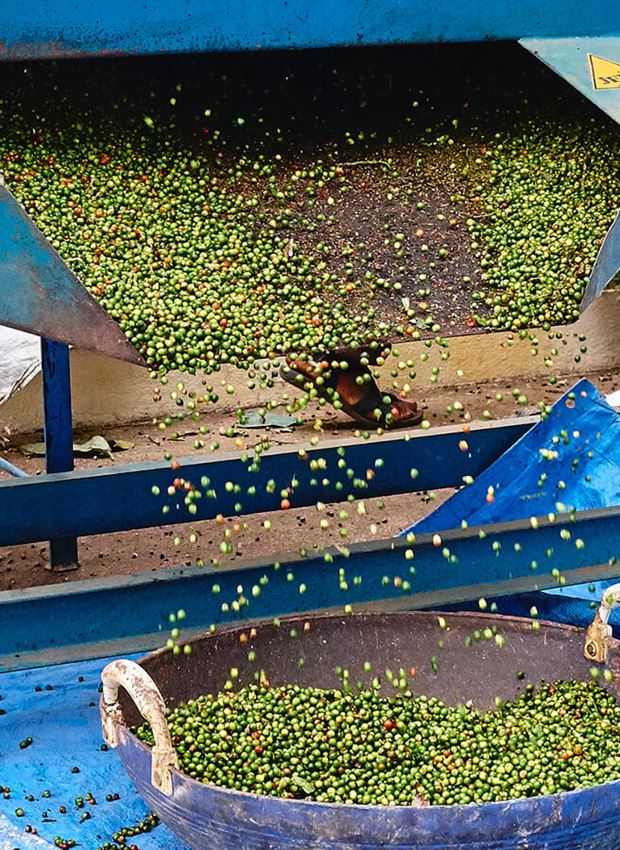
256, 419
32, 449
97, 445
121, 445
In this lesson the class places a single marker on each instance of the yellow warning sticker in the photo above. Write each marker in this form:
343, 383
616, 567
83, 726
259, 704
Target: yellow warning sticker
605, 72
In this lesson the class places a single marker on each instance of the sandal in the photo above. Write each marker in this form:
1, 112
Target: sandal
353, 356
375, 409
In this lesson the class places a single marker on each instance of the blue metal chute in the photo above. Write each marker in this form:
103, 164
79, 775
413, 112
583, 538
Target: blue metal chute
40, 295
607, 266
592, 66
589, 64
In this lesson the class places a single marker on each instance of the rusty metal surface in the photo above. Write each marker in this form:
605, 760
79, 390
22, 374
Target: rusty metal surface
596, 646
40, 295
404, 639
206, 817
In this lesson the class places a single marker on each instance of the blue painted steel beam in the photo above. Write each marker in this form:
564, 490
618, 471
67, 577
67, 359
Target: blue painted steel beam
40, 29
96, 618
40, 295
57, 421
96, 501
58, 435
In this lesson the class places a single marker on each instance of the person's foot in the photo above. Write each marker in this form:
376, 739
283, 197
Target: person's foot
349, 386
403, 410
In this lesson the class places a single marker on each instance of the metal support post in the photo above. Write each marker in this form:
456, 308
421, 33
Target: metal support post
58, 433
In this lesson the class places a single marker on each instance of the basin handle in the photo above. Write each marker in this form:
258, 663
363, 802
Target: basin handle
150, 703
599, 631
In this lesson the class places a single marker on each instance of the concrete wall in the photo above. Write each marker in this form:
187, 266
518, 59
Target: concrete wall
108, 392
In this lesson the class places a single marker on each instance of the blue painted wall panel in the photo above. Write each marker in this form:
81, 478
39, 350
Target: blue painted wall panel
67, 27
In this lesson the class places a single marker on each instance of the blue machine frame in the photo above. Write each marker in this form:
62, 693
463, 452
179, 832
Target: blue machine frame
39, 294
65, 28
119, 615
38, 507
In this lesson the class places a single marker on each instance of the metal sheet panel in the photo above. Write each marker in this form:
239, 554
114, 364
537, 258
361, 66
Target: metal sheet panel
592, 66
40, 295
69, 28
575, 59
606, 267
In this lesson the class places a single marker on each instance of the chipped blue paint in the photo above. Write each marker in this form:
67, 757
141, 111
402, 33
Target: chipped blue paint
69, 28
570, 58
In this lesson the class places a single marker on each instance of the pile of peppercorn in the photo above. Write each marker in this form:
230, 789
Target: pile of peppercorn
341, 746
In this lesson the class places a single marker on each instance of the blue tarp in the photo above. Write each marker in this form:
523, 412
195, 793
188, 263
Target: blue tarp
66, 733
569, 460
582, 433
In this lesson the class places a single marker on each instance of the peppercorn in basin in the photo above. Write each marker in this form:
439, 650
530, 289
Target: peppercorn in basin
455, 658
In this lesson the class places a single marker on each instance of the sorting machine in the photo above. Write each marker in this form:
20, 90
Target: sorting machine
120, 615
